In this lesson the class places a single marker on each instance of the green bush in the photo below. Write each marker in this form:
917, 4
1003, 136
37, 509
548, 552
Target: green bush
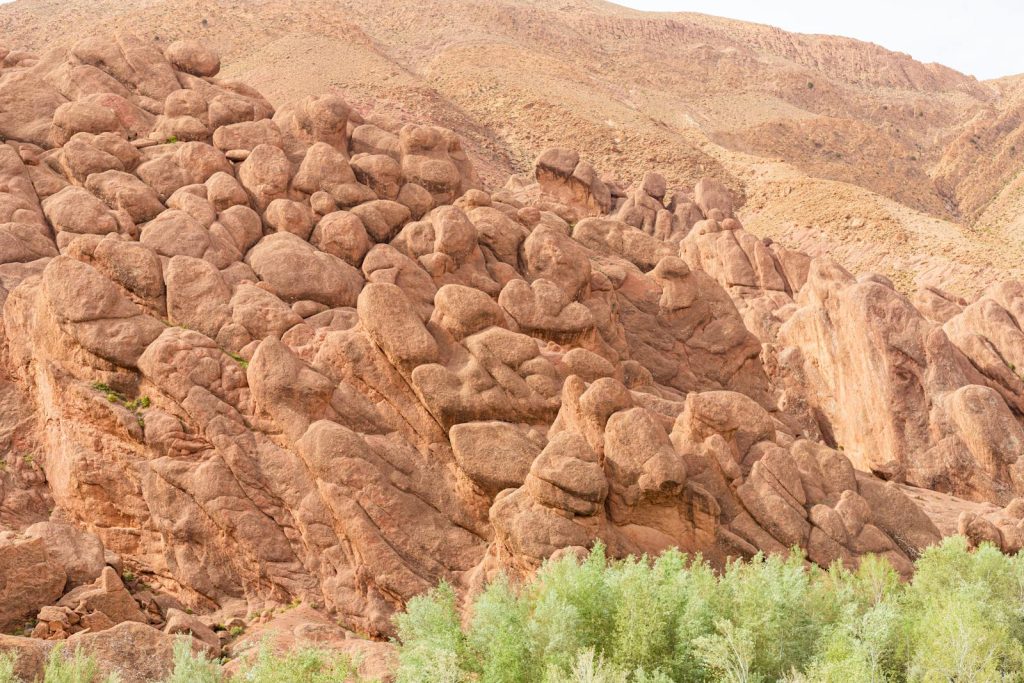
770, 619
7, 662
434, 642
190, 667
306, 665
78, 668
674, 620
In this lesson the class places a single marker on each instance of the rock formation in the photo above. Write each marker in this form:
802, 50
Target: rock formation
257, 357
828, 144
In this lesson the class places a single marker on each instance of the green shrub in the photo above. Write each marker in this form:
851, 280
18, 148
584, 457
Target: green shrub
498, 639
433, 640
591, 668
673, 619
7, 662
963, 615
770, 619
859, 648
134, 405
306, 665
571, 613
78, 668
190, 667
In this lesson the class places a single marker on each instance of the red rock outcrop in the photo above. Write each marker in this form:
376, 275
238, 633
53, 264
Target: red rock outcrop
268, 356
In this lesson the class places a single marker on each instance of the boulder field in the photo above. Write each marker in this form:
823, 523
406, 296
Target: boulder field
251, 358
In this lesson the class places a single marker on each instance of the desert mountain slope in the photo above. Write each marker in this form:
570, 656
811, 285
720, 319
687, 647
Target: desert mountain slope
893, 165
257, 352
253, 355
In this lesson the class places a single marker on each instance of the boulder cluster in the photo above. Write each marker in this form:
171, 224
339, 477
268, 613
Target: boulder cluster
261, 356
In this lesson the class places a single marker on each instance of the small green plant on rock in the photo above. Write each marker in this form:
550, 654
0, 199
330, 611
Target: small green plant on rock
133, 405
242, 362
112, 394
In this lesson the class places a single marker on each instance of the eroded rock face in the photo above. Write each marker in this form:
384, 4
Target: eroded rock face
952, 417
29, 580
921, 390
295, 356
572, 182
720, 479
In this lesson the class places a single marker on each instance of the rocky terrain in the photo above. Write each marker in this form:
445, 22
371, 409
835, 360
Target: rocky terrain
831, 146
261, 358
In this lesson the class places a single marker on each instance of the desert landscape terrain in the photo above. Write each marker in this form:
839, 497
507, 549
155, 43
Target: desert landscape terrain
310, 309
832, 146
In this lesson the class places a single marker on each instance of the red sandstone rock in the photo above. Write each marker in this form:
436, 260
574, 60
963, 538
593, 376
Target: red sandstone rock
283, 373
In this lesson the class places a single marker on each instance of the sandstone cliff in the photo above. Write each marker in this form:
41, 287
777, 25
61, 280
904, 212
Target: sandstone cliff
257, 356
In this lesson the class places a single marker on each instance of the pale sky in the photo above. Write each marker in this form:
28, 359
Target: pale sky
980, 37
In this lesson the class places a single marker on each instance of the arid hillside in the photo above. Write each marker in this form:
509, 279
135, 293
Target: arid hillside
832, 145
273, 367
